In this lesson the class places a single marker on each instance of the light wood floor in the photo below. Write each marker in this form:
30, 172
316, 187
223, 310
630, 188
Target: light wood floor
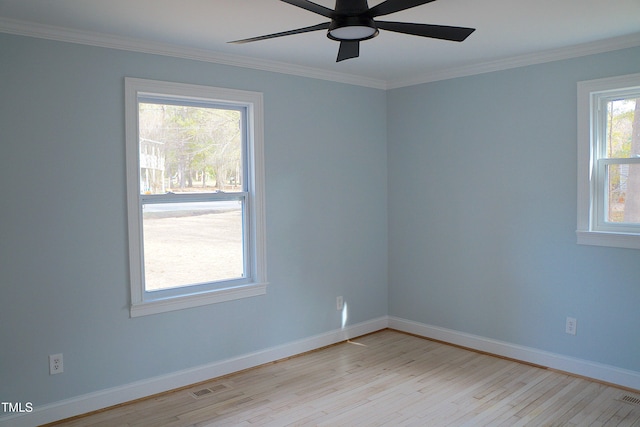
386, 378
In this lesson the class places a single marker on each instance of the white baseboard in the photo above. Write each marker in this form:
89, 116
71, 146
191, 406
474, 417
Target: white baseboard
139, 389
597, 371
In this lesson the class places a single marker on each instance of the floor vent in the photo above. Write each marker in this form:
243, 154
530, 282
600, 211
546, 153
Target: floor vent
218, 387
198, 394
631, 399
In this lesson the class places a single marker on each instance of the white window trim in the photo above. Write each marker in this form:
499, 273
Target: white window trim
253, 101
587, 231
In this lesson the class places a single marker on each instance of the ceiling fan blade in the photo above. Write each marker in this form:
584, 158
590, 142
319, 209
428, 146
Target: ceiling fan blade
323, 26
311, 7
443, 32
348, 50
391, 6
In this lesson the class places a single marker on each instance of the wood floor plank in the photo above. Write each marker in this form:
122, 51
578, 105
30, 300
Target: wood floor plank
386, 378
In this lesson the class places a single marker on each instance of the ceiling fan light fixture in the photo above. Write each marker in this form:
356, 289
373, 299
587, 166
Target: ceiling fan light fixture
352, 28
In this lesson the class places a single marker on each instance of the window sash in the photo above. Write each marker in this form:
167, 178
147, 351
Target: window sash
600, 118
601, 163
601, 197
195, 288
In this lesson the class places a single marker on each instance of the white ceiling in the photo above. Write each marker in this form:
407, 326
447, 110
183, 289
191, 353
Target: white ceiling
506, 30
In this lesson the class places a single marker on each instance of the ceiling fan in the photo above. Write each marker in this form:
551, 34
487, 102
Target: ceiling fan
352, 22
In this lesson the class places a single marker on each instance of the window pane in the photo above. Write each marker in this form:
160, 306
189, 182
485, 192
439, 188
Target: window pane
619, 128
623, 195
185, 148
191, 243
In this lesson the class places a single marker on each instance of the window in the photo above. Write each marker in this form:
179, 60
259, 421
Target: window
609, 162
194, 194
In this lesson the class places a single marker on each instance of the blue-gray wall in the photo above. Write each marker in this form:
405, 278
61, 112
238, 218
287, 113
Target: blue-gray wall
482, 214
63, 234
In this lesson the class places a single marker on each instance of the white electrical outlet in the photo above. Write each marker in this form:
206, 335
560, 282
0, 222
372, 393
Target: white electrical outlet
339, 303
571, 326
55, 364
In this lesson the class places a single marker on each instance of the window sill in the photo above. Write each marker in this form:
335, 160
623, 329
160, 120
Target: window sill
145, 308
615, 240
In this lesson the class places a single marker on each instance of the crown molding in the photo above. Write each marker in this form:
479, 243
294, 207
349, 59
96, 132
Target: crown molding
49, 32
29, 29
601, 46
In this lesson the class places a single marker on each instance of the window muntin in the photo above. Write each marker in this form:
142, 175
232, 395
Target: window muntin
609, 162
195, 195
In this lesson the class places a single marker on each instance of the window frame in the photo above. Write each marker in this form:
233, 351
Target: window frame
254, 224
592, 229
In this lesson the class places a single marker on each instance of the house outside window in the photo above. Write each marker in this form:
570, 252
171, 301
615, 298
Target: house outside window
609, 162
195, 195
